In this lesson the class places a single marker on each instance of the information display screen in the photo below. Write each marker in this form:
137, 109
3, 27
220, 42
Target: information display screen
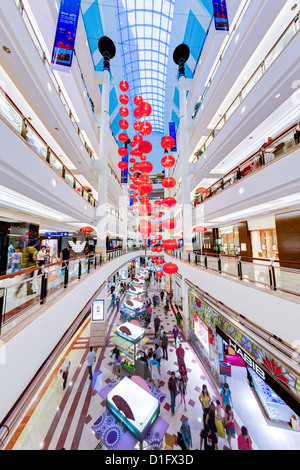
98, 310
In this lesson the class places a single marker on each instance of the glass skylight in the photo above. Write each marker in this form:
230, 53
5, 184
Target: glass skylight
144, 28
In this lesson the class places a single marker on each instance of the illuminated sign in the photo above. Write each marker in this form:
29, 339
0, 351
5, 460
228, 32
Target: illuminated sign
201, 332
98, 310
220, 15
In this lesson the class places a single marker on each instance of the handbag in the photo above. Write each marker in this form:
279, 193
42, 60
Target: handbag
180, 442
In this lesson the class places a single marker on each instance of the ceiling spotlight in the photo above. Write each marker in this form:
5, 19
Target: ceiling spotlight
6, 49
277, 96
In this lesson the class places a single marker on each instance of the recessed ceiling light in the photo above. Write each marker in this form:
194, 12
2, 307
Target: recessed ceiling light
6, 49
56, 128
277, 96
251, 137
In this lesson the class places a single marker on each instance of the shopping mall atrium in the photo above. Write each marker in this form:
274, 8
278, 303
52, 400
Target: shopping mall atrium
150, 225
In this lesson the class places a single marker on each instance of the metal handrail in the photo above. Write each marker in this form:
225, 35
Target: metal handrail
236, 173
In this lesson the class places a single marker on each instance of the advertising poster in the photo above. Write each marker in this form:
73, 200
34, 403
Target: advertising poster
220, 15
98, 310
64, 43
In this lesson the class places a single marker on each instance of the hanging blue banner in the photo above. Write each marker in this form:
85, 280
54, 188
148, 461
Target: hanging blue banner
64, 43
220, 15
172, 133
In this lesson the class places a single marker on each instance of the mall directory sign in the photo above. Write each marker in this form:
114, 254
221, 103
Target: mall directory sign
98, 310
66, 29
220, 15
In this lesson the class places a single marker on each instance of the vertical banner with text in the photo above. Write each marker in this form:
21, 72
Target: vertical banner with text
64, 43
220, 15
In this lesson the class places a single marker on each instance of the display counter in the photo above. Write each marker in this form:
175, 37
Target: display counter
275, 407
132, 309
131, 340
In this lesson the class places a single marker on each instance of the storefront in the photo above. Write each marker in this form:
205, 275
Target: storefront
228, 352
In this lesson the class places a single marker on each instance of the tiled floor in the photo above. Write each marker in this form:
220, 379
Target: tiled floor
59, 418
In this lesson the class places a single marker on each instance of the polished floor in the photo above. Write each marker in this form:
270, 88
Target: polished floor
59, 418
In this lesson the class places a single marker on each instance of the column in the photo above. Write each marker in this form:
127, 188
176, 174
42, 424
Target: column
185, 174
123, 211
101, 213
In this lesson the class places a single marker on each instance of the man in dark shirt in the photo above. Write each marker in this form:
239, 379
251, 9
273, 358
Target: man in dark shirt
209, 438
65, 254
172, 386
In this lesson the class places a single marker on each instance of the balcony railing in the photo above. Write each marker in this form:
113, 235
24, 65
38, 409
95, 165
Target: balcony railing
22, 290
282, 43
14, 117
269, 152
275, 275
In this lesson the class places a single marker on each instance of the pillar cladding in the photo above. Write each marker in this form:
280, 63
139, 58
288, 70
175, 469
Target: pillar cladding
101, 213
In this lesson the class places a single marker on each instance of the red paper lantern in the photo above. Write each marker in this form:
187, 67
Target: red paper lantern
153, 258
168, 161
123, 111
143, 158
137, 100
144, 200
86, 229
169, 224
132, 160
167, 142
132, 144
200, 229
157, 236
137, 139
123, 165
158, 249
168, 182
145, 146
170, 268
122, 151
169, 202
124, 99
145, 128
137, 113
145, 109
133, 194
146, 167
159, 274
170, 244
144, 227
137, 125
123, 137
157, 202
132, 186
123, 124
145, 208
123, 85
146, 188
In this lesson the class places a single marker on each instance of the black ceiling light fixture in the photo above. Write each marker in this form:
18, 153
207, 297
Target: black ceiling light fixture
108, 50
180, 56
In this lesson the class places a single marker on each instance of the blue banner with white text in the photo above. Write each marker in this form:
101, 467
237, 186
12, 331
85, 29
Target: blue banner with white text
220, 15
66, 29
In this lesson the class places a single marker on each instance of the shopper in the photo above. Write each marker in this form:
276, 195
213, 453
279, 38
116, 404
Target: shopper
156, 323
229, 424
182, 390
162, 294
155, 371
175, 332
166, 308
186, 434
164, 344
118, 363
64, 371
210, 418
219, 420
149, 310
15, 262
65, 255
209, 438
244, 440
205, 399
172, 386
226, 395
90, 358
114, 369
178, 318
118, 302
180, 353
156, 338
29, 260
158, 353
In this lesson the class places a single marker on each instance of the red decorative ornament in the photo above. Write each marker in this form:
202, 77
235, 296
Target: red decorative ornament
145, 147
169, 202
158, 236
145, 209
170, 244
169, 224
137, 139
157, 202
200, 229
122, 151
145, 200
86, 229
170, 268
124, 99
123, 165
123, 137
123, 111
132, 144
132, 186
137, 113
133, 194
143, 158
137, 100
158, 249
144, 227
123, 124
168, 182
132, 160
145, 109
146, 167
146, 188
137, 125
167, 142
145, 128
159, 274
123, 85
168, 161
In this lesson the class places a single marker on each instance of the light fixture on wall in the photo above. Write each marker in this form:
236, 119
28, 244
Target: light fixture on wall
6, 49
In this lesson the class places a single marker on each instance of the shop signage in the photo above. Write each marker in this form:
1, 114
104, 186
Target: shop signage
66, 29
172, 133
56, 234
248, 360
220, 15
